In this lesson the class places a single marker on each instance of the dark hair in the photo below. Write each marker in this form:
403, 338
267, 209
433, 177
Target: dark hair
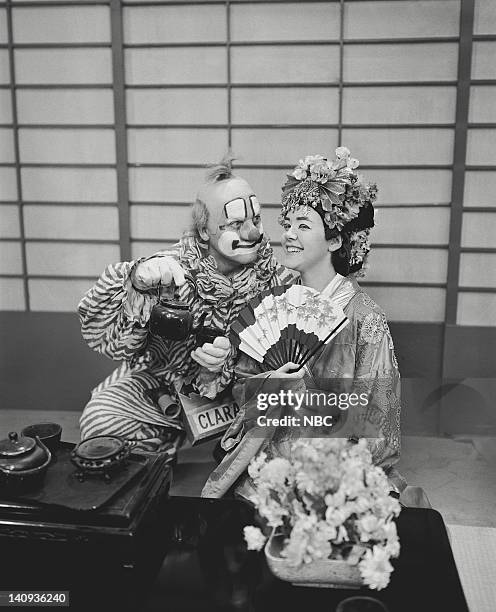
341, 257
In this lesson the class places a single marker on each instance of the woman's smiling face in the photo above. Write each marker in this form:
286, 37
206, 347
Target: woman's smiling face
304, 242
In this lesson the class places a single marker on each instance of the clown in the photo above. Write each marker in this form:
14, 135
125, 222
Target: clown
215, 268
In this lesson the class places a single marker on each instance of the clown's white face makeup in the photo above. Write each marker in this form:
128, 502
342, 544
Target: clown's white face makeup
234, 226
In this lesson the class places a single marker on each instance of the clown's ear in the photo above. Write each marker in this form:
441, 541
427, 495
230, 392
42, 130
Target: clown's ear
204, 234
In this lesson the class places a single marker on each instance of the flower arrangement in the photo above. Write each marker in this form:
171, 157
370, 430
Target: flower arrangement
330, 502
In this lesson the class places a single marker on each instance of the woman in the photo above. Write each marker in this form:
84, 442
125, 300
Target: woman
327, 213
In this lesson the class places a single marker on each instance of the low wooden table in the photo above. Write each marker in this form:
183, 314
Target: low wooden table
208, 567
110, 560
106, 558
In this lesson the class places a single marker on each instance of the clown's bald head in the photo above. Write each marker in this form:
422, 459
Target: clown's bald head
226, 215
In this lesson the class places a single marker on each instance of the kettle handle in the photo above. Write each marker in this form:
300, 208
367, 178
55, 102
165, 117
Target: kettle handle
168, 292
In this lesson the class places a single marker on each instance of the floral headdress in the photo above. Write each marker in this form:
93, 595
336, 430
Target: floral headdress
339, 194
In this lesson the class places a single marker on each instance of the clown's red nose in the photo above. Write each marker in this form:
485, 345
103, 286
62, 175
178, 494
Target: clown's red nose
253, 234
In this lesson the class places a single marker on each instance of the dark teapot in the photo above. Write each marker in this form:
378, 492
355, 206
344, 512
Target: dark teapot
171, 319
23, 461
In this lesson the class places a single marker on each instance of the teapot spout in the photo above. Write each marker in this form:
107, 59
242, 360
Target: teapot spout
197, 329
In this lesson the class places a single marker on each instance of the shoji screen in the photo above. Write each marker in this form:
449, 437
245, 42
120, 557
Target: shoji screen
176, 74
398, 113
477, 274
59, 182
278, 80
109, 112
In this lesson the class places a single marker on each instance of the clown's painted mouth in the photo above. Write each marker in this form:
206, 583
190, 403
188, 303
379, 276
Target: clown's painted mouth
235, 244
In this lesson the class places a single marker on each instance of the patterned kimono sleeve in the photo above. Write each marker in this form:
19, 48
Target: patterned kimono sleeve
113, 315
377, 372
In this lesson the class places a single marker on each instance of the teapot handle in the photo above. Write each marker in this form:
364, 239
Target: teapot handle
168, 292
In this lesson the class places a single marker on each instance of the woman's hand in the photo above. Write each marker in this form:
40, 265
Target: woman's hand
212, 356
286, 372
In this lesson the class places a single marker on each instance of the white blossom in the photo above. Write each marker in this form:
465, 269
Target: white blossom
254, 537
375, 568
277, 471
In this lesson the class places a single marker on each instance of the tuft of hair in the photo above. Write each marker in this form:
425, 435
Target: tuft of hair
222, 170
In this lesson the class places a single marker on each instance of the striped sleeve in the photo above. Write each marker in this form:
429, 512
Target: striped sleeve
283, 275
114, 315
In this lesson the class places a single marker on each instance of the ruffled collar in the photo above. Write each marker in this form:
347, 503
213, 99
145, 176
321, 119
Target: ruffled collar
212, 286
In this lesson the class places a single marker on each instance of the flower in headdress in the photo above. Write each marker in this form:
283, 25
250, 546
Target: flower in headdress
321, 171
360, 246
300, 173
342, 152
312, 159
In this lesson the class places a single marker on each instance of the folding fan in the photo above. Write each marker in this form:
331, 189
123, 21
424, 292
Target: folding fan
286, 323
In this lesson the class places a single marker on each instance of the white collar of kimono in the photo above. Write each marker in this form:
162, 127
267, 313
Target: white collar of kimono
340, 290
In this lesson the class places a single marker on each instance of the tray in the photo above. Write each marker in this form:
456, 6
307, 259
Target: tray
62, 489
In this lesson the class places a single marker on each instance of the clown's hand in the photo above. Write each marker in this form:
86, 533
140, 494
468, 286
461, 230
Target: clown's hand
157, 271
212, 356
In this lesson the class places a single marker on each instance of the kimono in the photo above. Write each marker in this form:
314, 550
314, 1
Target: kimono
361, 357
114, 322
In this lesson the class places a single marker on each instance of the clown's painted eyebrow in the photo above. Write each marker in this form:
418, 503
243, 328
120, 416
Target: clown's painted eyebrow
255, 205
238, 208
235, 209
303, 219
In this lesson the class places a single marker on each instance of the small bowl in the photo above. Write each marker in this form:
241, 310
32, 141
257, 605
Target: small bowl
48, 433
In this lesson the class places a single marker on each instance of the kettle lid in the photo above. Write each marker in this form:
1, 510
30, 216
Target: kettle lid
173, 303
15, 445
